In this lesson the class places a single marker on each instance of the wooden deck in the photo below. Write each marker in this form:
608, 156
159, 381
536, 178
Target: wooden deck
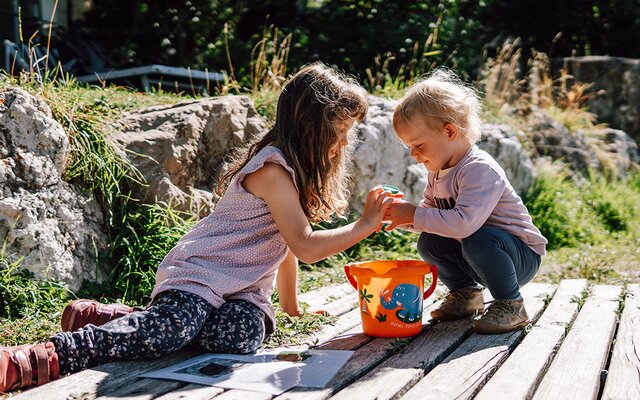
580, 347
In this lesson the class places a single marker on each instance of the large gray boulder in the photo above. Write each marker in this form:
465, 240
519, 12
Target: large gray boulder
180, 148
602, 149
55, 227
553, 140
503, 144
379, 157
617, 82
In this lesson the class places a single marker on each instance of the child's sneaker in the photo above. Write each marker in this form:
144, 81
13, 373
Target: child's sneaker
502, 316
459, 304
29, 365
82, 312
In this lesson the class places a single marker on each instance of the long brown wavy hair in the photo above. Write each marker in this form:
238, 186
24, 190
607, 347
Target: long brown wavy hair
309, 104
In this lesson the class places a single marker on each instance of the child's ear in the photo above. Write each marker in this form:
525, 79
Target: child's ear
450, 130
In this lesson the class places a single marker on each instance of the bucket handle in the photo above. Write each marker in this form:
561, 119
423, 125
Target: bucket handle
350, 277
434, 282
427, 293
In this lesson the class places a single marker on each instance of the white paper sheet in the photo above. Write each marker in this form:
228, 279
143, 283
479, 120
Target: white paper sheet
258, 372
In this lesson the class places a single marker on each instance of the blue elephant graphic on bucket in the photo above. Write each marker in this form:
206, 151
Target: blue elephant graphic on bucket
409, 298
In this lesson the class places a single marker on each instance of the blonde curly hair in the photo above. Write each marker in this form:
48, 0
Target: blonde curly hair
441, 98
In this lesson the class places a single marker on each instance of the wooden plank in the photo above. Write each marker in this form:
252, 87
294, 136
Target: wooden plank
342, 324
396, 375
192, 392
623, 379
327, 294
341, 306
89, 384
364, 359
360, 362
464, 371
518, 377
349, 340
575, 371
142, 389
243, 395
151, 388
401, 371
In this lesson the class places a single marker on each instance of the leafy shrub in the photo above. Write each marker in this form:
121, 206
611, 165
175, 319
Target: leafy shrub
615, 202
554, 204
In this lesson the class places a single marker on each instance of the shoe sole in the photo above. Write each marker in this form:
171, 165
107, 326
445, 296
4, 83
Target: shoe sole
446, 318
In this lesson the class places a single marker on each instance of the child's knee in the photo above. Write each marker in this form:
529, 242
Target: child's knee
427, 245
480, 241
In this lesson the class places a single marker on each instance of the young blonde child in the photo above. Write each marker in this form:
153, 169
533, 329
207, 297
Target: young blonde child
474, 226
213, 288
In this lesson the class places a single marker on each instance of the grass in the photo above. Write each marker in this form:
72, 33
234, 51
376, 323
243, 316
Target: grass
592, 227
29, 308
296, 330
140, 246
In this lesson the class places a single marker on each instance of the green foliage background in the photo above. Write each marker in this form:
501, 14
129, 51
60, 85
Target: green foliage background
352, 33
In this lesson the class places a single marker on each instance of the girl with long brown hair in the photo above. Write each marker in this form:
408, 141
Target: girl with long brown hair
213, 288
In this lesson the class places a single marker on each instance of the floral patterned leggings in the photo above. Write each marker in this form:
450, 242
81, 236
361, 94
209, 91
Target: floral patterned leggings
174, 319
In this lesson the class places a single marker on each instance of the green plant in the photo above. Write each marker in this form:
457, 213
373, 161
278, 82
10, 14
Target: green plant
295, 330
398, 345
554, 204
145, 238
614, 202
29, 307
385, 82
582, 298
24, 295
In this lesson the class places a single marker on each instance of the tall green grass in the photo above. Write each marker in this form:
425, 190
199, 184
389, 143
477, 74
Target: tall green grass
29, 307
141, 244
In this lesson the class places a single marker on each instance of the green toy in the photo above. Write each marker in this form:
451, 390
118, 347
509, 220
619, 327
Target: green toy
391, 189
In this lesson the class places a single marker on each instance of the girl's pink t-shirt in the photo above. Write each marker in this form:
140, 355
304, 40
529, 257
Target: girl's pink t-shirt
234, 252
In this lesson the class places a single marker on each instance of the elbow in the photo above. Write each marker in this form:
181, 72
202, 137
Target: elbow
468, 230
307, 255
307, 249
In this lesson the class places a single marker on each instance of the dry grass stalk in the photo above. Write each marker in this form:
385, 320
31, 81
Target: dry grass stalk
269, 61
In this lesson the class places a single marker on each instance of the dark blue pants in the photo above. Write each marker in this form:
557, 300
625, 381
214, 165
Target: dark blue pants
174, 319
490, 257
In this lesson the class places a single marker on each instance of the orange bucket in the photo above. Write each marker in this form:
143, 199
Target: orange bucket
391, 294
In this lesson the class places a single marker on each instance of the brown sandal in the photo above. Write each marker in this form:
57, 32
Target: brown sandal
25, 366
82, 312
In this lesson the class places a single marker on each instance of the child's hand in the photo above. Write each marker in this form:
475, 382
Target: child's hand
399, 213
375, 207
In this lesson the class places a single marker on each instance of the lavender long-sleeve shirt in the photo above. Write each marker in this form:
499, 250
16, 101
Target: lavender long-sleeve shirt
475, 192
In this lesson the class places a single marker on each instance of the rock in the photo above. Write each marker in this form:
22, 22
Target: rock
503, 144
617, 82
601, 149
379, 157
616, 151
53, 225
180, 148
554, 140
